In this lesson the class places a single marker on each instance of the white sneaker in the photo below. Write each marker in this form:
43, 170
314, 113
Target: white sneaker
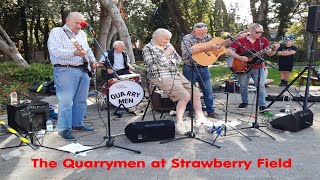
206, 122
181, 129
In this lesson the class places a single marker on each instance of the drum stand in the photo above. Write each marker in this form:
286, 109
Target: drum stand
120, 114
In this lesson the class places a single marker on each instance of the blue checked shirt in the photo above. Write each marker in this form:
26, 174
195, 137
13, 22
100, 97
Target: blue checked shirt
157, 64
61, 48
186, 46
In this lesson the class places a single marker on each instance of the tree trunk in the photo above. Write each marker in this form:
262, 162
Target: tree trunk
111, 36
260, 15
45, 38
104, 28
122, 30
24, 28
36, 32
8, 47
176, 16
31, 45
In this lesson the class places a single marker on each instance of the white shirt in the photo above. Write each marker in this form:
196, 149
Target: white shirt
118, 60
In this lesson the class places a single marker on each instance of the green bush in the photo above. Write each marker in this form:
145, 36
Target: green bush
20, 79
36, 73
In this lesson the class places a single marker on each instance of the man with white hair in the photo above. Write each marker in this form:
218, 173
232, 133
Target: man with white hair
118, 59
161, 60
70, 75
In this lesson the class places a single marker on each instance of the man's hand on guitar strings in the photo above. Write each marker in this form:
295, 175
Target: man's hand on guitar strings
243, 58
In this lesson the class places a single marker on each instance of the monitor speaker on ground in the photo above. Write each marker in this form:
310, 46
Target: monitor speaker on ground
150, 130
313, 22
294, 122
21, 116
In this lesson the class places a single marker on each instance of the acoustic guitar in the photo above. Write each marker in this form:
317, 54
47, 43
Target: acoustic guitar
209, 57
239, 67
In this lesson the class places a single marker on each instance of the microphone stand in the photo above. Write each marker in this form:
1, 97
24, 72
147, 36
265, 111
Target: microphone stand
110, 141
191, 134
255, 124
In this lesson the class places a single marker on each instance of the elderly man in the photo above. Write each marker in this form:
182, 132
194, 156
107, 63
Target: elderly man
118, 59
70, 75
253, 42
201, 74
161, 60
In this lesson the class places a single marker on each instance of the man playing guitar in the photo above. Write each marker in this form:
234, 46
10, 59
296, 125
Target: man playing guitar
254, 42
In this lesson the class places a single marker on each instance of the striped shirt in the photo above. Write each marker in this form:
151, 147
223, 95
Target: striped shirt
186, 46
157, 64
61, 48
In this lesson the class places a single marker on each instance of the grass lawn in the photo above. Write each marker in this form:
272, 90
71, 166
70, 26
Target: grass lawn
219, 73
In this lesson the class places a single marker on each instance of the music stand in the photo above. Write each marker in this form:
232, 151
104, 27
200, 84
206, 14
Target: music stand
259, 61
191, 133
110, 141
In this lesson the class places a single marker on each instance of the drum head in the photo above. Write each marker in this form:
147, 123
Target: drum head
126, 92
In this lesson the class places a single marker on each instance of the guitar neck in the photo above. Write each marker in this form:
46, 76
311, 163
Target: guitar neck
226, 42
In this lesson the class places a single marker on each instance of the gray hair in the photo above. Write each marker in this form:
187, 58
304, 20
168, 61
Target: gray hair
72, 15
117, 43
159, 32
255, 26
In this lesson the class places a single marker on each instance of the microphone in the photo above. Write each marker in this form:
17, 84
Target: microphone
231, 37
84, 24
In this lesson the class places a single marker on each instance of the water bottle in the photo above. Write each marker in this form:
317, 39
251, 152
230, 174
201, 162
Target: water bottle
14, 97
49, 125
287, 110
202, 130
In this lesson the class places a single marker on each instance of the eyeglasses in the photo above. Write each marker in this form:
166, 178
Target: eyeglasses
258, 32
200, 25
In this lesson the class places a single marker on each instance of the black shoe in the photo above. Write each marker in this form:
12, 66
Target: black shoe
213, 115
82, 128
243, 106
66, 134
264, 109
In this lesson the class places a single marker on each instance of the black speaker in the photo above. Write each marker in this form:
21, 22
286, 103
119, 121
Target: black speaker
313, 22
28, 117
150, 130
294, 122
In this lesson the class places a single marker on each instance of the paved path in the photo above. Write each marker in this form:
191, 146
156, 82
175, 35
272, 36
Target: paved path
290, 156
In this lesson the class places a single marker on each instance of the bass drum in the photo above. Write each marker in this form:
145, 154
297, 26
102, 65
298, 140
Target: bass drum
126, 92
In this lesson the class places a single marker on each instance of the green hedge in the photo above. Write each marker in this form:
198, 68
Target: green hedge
13, 77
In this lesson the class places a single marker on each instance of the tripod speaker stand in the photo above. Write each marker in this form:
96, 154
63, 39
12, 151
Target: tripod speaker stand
308, 68
313, 26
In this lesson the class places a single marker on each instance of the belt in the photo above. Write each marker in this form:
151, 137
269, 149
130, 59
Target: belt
198, 66
67, 66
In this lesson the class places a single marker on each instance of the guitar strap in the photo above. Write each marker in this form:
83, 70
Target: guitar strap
70, 36
260, 46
